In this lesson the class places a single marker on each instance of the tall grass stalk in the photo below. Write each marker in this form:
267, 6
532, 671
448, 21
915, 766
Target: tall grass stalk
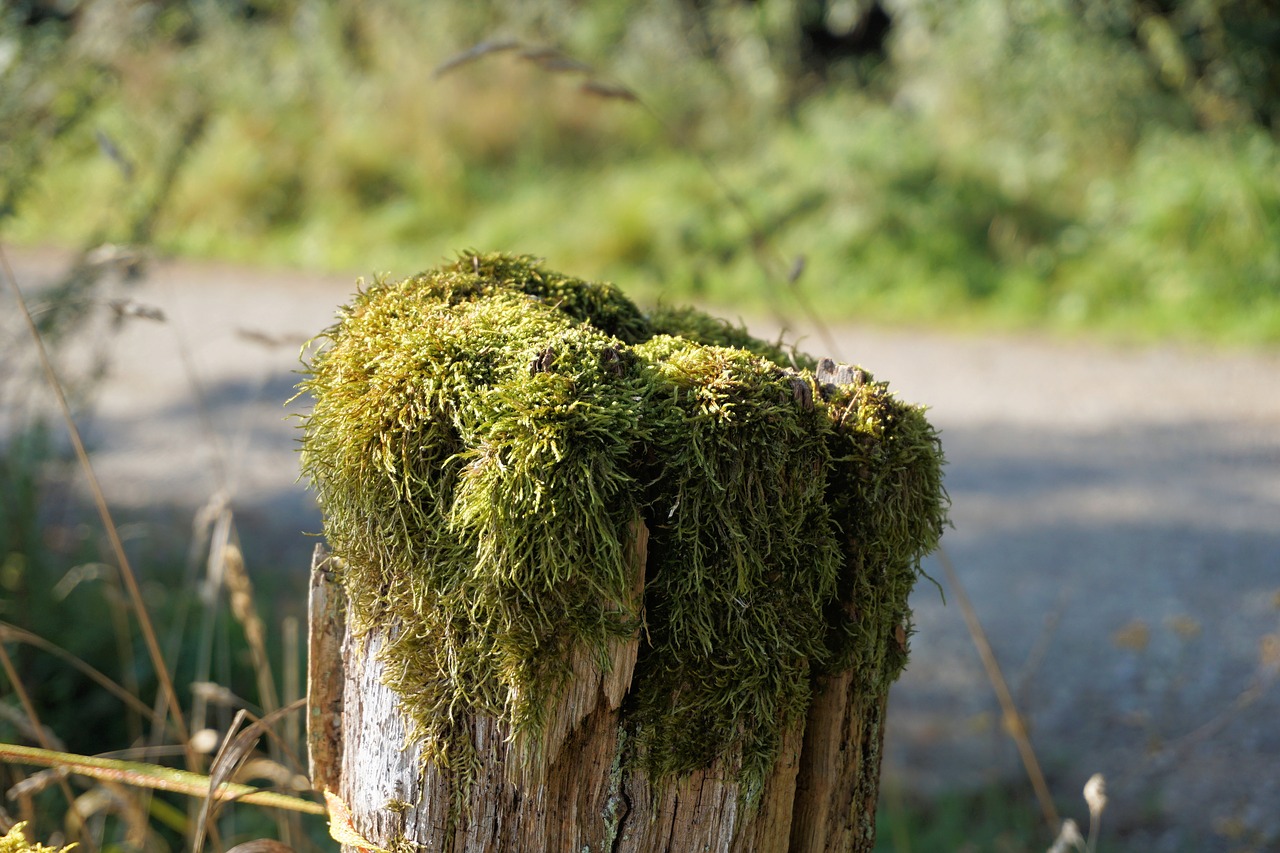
155, 777
170, 695
12, 633
1014, 723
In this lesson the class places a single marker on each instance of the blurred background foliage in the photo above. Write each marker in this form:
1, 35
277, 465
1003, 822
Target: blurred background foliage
1099, 165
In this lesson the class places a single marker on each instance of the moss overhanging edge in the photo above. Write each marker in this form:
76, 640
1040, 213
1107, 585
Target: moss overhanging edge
484, 435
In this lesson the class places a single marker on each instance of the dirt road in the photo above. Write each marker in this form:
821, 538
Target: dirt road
1117, 525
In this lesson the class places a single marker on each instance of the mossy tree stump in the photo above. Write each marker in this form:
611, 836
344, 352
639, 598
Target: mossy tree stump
612, 581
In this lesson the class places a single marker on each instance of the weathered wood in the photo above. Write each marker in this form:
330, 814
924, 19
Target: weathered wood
572, 801
839, 778
704, 811
830, 375
820, 796
584, 802
325, 630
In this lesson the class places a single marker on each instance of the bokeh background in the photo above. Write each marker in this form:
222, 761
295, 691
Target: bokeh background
1058, 221
1099, 165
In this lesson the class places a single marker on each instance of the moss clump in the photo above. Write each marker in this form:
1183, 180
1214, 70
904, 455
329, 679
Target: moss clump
483, 438
742, 562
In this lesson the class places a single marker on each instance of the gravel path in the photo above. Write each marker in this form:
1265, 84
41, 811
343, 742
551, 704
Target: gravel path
1117, 525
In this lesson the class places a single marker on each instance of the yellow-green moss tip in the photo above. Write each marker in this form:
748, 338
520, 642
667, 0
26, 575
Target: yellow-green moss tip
484, 436
15, 841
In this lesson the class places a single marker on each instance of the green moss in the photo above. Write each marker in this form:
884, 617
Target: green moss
885, 483
695, 325
741, 558
483, 438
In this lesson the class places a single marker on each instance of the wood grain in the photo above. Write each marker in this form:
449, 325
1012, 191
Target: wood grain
325, 631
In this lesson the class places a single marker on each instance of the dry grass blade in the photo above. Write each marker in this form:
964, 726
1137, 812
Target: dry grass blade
155, 777
34, 719
797, 269
554, 60
1264, 677
100, 501
261, 845
268, 340
292, 677
25, 728
231, 756
108, 147
220, 516
471, 54
36, 783
15, 634
1013, 720
611, 91
111, 798
240, 588
125, 309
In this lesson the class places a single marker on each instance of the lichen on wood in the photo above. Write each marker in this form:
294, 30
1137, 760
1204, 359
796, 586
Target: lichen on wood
485, 436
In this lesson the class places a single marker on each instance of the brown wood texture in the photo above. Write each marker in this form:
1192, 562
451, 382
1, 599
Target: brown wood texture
821, 795
839, 779
705, 811
325, 630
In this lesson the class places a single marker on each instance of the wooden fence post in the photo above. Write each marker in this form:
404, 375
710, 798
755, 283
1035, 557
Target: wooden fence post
582, 775
821, 797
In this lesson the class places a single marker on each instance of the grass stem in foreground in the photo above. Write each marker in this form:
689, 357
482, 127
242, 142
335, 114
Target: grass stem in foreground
1013, 720
100, 501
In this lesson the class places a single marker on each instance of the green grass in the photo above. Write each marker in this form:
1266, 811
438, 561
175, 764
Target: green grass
995, 818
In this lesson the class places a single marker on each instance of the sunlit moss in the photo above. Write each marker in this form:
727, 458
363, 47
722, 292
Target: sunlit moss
14, 841
483, 438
